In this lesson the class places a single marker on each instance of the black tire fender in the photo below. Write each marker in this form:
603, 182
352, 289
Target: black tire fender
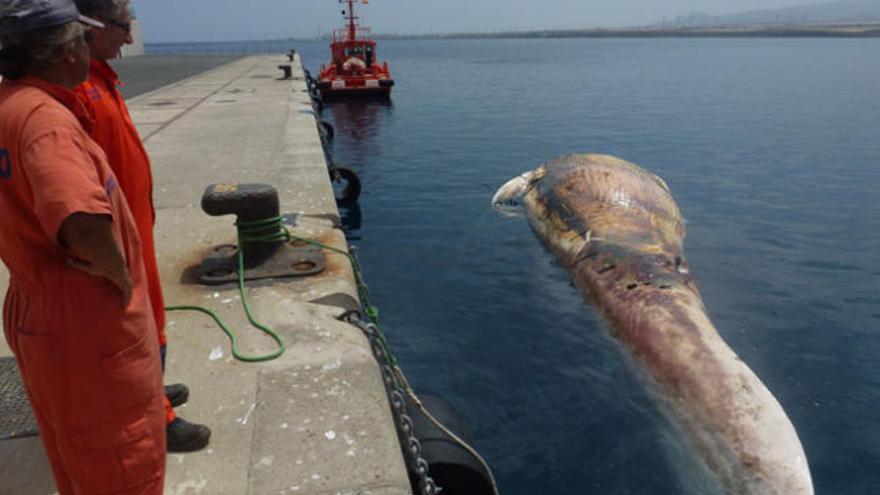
352, 191
328, 130
317, 104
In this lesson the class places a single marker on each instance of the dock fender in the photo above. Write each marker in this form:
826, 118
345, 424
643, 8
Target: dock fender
454, 468
327, 128
346, 185
317, 103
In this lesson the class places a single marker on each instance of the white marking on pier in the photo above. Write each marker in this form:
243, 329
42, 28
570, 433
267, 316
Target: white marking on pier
243, 420
216, 354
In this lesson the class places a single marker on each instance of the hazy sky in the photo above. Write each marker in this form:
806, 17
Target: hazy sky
218, 20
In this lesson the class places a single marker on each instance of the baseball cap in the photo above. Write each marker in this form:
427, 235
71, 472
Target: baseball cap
19, 16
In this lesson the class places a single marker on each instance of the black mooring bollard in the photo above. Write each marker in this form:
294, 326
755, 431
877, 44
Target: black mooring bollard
266, 248
249, 203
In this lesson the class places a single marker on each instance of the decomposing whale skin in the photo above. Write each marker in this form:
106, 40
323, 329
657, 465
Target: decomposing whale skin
617, 230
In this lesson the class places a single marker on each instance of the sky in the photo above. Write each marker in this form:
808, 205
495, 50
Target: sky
232, 20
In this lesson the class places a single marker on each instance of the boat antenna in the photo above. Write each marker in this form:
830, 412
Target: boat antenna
351, 18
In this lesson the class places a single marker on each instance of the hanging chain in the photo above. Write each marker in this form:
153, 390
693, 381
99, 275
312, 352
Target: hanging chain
412, 449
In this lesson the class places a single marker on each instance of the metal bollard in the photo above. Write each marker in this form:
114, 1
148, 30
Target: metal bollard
263, 258
249, 203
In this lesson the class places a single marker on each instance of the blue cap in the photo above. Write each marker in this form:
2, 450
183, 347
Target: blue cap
19, 16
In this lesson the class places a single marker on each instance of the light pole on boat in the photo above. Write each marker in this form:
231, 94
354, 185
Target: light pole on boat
352, 20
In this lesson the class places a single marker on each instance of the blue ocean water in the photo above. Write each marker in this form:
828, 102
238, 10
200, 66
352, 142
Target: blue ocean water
771, 148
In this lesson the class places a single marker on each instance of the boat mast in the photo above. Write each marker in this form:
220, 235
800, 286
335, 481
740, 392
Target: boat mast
352, 21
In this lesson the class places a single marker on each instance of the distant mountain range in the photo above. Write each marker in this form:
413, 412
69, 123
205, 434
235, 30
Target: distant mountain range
846, 11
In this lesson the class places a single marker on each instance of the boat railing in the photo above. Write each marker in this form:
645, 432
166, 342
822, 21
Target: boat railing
341, 34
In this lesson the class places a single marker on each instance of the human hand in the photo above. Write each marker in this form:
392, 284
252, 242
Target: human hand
119, 277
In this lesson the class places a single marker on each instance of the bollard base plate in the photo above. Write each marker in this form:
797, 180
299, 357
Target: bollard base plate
289, 260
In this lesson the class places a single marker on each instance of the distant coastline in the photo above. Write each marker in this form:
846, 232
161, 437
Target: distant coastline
860, 30
848, 30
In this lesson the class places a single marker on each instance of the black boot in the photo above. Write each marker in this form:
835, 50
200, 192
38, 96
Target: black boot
177, 394
183, 436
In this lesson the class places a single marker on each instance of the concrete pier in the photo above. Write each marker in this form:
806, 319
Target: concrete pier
316, 421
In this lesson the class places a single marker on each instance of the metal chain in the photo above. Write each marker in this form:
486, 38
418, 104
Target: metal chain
412, 451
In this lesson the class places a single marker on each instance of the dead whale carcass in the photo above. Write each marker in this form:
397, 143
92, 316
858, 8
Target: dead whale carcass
619, 233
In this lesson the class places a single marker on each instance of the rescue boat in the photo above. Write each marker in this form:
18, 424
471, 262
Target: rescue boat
354, 70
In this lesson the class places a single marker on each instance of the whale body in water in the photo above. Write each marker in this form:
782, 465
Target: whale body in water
617, 230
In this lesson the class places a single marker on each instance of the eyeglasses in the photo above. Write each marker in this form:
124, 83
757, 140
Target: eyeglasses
125, 26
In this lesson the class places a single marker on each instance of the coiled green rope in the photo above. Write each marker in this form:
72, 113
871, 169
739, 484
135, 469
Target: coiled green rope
273, 230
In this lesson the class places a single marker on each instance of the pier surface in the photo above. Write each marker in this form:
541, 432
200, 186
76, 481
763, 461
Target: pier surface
316, 421
143, 74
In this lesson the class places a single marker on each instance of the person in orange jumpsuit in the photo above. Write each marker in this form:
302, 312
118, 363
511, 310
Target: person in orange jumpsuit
77, 313
117, 135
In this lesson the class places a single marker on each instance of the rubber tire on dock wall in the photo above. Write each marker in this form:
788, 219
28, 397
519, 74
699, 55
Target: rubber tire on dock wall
328, 128
352, 192
453, 468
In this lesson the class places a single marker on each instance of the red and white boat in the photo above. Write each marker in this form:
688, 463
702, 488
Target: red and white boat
354, 70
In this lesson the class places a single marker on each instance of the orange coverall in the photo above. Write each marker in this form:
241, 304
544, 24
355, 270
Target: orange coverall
90, 366
115, 132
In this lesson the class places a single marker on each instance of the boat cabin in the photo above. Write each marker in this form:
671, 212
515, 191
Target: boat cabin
363, 51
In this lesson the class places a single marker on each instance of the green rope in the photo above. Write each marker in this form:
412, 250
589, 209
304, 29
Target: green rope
273, 230
251, 232
371, 311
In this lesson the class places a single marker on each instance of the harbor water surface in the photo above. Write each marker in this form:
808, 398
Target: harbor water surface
771, 148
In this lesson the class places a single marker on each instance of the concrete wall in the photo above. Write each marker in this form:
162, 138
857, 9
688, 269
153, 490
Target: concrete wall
137, 46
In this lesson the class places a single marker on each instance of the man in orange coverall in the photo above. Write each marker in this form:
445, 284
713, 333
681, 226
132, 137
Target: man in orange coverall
77, 313
117, 135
